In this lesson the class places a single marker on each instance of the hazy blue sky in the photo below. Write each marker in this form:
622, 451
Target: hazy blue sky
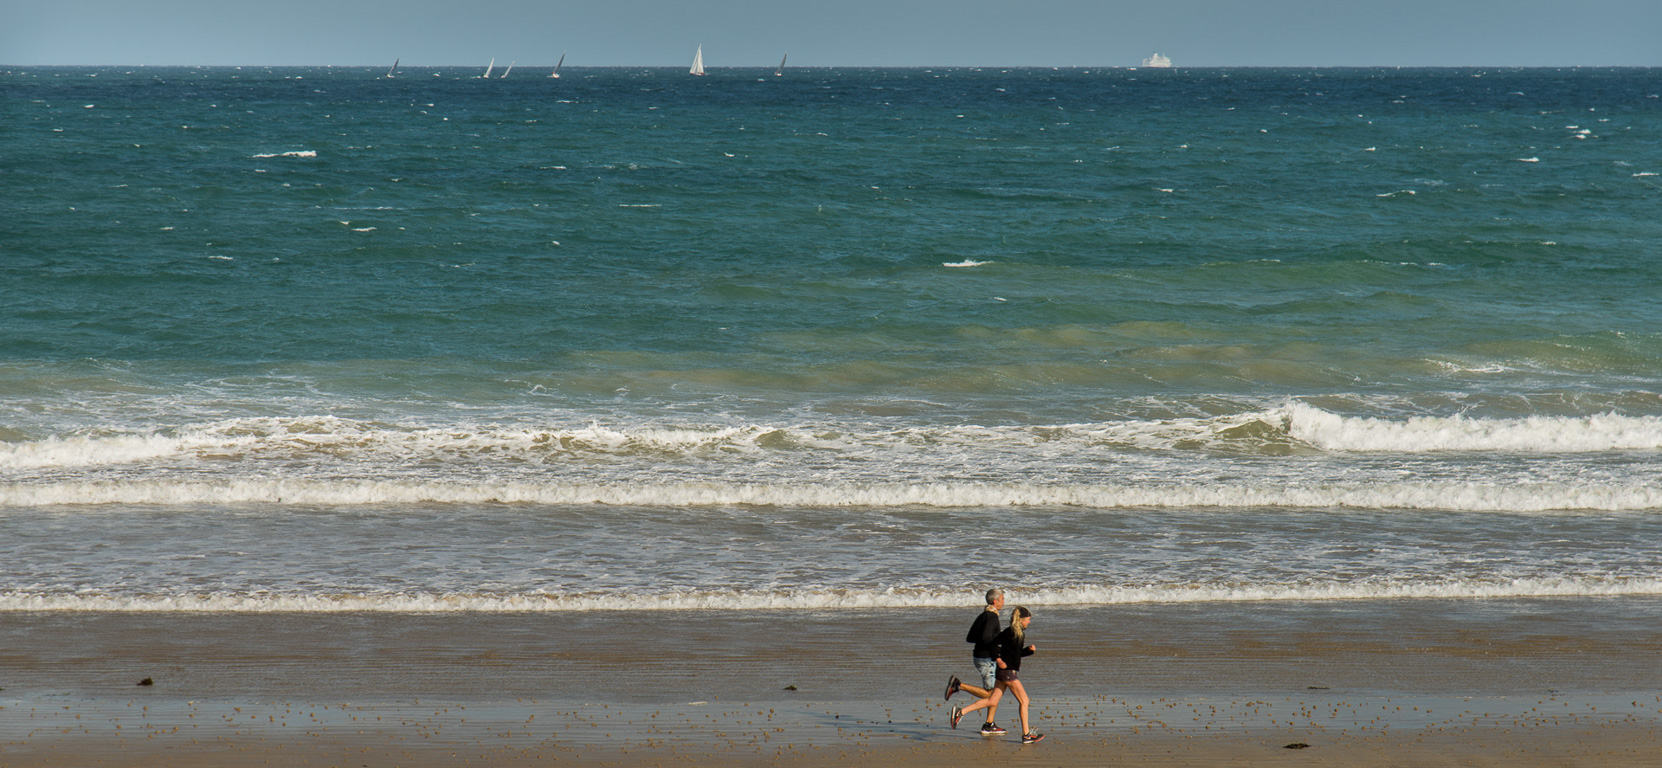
835, 32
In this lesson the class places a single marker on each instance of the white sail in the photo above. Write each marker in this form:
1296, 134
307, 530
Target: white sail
1157, 61
394, 67
781, 70
491, 67
557, 64
509, 69
698, 62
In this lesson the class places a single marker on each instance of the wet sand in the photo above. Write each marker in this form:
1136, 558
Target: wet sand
1525, 682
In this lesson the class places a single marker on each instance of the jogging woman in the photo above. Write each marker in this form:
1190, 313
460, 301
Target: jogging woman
1012, 646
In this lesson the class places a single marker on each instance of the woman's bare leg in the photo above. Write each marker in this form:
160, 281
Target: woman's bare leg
1021, 696
990, 702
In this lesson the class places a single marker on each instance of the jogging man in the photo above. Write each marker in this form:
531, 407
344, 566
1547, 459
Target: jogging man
983, 633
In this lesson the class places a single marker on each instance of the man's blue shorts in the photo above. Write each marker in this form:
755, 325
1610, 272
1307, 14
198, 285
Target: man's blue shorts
989, 671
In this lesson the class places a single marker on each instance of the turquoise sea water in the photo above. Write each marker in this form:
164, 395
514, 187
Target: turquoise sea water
318, 338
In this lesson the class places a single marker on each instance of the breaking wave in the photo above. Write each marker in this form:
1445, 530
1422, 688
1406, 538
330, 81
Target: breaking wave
1295, 426
1535, 434
811, 600
1407, 495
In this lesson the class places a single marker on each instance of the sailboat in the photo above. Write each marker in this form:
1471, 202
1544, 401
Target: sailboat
781, 70
394, 67
557, 64
698, 62
509, 69
1157, 62
489, 68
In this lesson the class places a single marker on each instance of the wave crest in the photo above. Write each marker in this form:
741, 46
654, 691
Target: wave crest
829, 599
1292, 428
1535, 434
1450, 496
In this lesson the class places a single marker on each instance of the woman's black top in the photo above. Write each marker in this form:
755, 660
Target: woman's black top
1010, 650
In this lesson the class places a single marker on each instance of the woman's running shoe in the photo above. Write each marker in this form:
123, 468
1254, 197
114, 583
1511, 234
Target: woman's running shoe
952, 686
1032, 738
991, 729
957, 714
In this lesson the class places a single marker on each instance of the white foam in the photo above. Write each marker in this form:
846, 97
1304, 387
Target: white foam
91, 451
964, 263
1414, 495
824, 599
369, 448
299, 153
1476, 368
295, 437
1529, 159
1540, 434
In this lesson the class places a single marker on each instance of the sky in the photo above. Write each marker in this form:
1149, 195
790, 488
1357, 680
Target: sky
1064, 33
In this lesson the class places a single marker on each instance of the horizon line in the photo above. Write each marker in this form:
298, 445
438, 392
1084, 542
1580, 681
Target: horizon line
867, 66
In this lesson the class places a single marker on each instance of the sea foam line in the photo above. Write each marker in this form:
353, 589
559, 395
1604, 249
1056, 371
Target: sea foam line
115, 449
1407, 495
1296, 422
817, 600
1558, 434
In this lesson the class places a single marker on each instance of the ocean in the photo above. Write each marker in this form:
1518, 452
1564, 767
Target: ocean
317, 339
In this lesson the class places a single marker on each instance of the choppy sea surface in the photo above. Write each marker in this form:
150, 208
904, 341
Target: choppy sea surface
321, 339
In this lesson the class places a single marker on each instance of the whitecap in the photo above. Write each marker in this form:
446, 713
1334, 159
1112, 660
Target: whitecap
1534, 434
964, 263
1460, 496
824, 599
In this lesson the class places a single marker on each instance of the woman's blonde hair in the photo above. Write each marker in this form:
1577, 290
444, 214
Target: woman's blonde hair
1020, 612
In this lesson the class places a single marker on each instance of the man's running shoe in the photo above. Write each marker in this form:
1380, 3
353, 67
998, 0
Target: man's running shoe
991, 729
1032, 738
952, 686
957, 714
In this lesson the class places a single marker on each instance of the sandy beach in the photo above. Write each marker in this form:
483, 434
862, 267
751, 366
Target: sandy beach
1361, 683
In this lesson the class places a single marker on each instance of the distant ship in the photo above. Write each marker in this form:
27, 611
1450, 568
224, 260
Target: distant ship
1157, 61
698, 62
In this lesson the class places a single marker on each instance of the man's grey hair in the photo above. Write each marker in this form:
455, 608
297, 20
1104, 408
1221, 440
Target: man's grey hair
993, 595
